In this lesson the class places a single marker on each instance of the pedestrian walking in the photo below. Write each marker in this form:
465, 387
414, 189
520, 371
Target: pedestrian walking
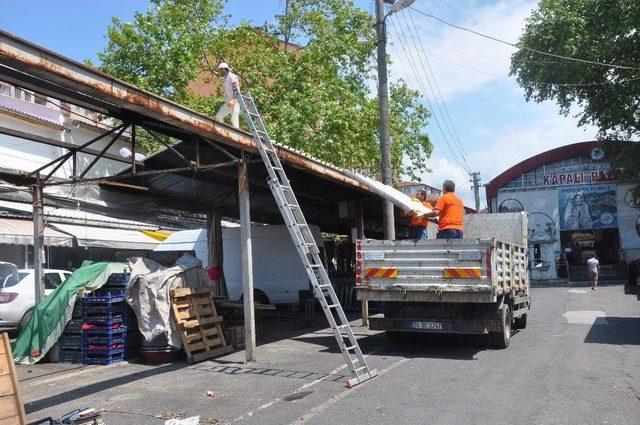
231, 105
593, 268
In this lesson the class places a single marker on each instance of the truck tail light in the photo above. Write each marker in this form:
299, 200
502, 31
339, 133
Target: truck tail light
7, 297
488, 263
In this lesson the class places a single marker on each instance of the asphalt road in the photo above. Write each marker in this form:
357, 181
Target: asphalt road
578, 362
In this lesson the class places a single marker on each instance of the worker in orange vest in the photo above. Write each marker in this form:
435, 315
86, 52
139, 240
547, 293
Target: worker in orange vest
418, 229
450, 209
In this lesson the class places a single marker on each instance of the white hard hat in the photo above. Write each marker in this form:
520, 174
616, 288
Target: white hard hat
223, 65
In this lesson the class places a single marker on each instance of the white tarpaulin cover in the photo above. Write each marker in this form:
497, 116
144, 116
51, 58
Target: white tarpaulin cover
392, 195
103, 237
14, 231
148, 295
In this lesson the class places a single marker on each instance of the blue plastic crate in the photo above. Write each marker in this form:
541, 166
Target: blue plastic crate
106, 320
104, 340
106, 331
104, 309
71, 356
98, 352
104, 359
71, 341
107, 298
73, 327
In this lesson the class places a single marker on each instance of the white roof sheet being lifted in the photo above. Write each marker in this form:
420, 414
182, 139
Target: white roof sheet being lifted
102, 237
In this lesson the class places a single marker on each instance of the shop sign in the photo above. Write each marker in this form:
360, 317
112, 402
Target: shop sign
568, 176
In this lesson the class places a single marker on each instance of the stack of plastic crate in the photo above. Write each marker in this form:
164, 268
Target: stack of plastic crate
70, 343
103, 317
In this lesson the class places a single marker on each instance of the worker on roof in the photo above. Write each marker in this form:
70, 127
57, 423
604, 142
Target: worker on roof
450, 209
418, 225
231, 105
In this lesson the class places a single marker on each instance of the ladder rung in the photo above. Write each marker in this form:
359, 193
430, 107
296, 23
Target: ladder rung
333, 305
361, 368
342, 326
353, 347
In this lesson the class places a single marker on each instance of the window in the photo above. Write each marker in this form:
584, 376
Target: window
52, 280
40, 99
24, 95
5, 89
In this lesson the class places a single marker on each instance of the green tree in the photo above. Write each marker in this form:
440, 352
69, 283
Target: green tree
316, 96
605, 31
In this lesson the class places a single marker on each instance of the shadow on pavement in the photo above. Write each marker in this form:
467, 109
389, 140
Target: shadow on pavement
618, 331
97, 387
576, 284
445, 346
267, 371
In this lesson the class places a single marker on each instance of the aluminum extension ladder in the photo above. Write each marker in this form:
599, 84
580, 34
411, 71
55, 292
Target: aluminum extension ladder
306, 245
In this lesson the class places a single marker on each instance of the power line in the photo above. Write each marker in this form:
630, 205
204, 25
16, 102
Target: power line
413, 66
455, 136
554, 55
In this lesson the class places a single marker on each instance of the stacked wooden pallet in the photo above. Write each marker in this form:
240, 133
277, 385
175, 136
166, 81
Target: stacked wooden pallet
199, 324
11, 407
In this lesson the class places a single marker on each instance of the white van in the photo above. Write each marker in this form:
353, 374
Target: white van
278, 274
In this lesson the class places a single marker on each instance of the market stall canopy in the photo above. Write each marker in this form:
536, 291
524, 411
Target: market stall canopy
20, 232
104, 237
199, 173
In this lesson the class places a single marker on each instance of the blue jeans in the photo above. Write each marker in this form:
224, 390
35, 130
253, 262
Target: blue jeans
417, 233
449, 234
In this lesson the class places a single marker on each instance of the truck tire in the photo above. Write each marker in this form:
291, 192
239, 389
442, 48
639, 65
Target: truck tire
395, 337
520, 322
501, 339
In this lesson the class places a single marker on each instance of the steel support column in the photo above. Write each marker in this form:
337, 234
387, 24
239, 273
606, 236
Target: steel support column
38, 239
247, 263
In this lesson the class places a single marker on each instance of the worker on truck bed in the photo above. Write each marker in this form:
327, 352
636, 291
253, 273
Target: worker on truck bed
450, 209
418, 226
230, 105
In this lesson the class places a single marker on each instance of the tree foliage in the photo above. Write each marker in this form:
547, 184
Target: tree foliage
317, 96
605, 31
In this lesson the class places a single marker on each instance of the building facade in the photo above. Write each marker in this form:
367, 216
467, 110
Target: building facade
411, 188
576, 208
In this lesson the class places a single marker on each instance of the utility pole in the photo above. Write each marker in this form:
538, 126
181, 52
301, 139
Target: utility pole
38, 239
383, 118
475, 181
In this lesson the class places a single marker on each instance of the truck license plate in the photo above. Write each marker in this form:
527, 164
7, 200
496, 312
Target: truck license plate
426, 325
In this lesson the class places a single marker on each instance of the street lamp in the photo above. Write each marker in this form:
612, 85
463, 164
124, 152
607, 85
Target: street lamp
383, 106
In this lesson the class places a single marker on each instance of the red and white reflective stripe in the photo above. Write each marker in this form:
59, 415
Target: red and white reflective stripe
358, 262
489, 263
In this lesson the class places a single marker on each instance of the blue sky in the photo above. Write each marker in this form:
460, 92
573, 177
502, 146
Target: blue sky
496, 126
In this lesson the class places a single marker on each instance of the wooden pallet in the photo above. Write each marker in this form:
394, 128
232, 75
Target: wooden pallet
11, 407
198, 323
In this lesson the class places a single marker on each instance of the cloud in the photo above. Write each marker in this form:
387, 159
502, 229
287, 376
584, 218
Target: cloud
505, 147
466, 61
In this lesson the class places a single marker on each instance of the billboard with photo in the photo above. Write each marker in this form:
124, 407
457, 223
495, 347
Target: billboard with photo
588, 207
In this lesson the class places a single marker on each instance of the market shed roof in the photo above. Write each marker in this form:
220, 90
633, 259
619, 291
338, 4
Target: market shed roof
319, 185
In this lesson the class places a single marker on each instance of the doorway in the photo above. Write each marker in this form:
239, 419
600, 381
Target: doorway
578, 245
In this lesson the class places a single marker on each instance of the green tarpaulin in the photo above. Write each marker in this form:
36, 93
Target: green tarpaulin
52, 314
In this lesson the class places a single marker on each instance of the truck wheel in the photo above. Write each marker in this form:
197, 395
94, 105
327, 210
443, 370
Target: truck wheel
501, 339
395, 337
520, 322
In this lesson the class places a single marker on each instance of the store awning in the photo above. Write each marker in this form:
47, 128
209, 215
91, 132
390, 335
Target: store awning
103, 237
14, 231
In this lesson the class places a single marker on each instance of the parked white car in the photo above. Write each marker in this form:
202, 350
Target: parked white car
278, 273
17, 293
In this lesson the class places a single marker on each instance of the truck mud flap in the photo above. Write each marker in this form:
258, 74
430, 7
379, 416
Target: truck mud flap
449, 326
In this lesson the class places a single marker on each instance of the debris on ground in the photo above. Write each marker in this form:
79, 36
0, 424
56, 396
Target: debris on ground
193, 420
